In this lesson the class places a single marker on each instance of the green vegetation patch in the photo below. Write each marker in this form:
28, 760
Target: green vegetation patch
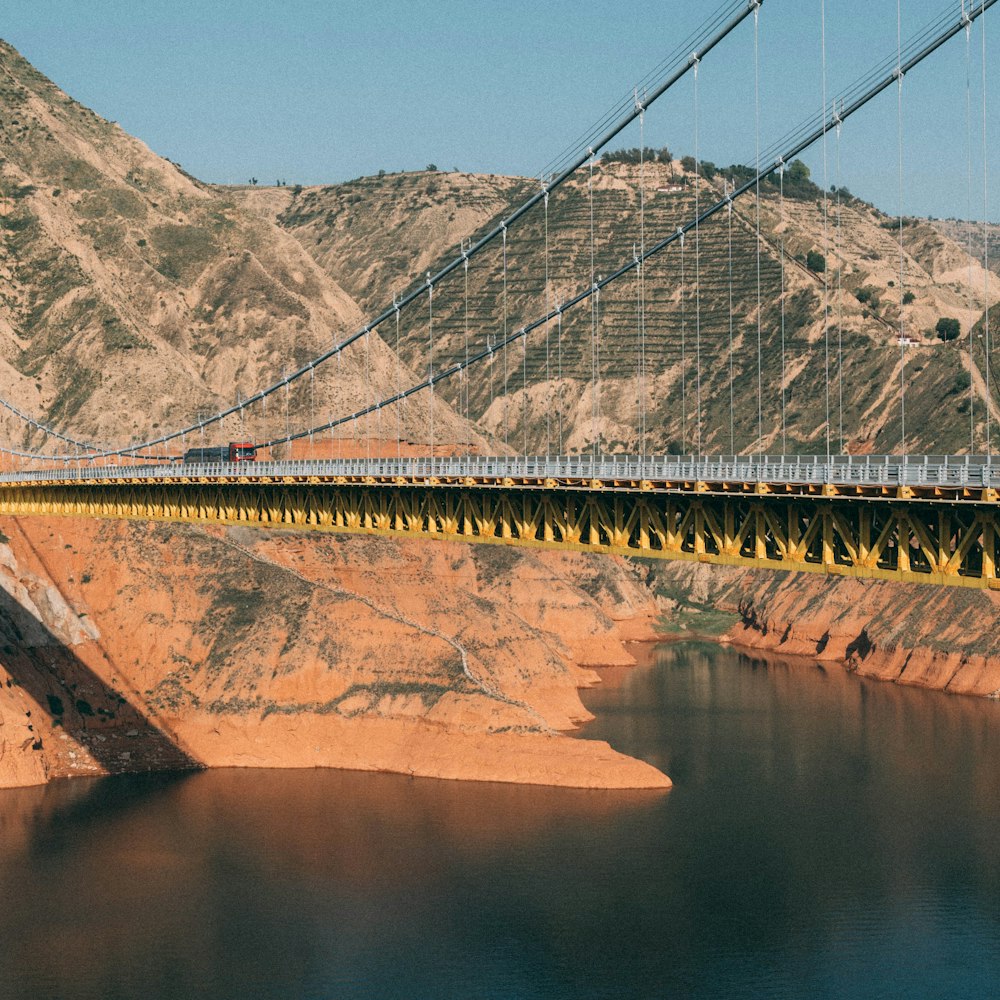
117, 337
184, 251
112, 203
79, 175
79, 385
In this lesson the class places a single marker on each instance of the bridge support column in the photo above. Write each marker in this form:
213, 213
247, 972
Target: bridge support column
864, 535
699, 530
828, 554
902, 543
989, 543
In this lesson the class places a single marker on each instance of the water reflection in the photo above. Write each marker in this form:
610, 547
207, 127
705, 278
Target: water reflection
825, 836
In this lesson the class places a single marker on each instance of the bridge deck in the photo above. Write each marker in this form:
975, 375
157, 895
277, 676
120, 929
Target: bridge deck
924, 522
963, 477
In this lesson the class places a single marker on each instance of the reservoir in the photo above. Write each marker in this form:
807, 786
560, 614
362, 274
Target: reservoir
826, 836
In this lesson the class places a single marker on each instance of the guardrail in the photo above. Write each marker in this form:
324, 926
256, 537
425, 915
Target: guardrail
954, 471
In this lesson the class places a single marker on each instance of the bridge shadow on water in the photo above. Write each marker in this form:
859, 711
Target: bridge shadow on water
106, 720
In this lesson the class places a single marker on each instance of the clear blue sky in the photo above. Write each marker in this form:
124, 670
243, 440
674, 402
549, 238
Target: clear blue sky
316, 92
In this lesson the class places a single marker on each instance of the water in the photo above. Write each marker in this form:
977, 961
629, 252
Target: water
826, 837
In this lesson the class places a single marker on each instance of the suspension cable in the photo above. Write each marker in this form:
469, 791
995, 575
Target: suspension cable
799, 146
640, 273
593, 317
826, 241
562, 395
732, 424
597, 388
399, 386
548, 331
468, 422
968, 149
697, 271
840, 299
524, 392
430, 363
986, 244
683, 354
312, 405
757, 179
781, 254
369, 393
902, 337
706, 39
506, 414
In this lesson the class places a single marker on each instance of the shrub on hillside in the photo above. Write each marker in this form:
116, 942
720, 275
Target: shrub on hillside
947, 328
635, 154
816, 262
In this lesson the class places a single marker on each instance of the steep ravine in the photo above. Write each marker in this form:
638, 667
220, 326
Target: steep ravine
131, 646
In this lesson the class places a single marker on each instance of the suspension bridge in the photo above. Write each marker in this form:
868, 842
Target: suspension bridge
576, 455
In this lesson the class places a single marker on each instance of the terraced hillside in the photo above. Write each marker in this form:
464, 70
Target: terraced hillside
356, 232
970, 236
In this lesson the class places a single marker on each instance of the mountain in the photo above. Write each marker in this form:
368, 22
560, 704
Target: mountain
134, 298
377, 236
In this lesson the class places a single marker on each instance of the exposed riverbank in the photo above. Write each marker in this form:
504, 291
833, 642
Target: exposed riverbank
944, 638
133, 647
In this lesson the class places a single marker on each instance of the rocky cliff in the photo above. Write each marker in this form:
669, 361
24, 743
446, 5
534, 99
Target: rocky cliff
134, 647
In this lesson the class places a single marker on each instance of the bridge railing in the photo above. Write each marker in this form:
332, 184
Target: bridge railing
842, 470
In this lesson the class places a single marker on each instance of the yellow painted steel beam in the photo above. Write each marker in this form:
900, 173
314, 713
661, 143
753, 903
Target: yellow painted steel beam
943, 542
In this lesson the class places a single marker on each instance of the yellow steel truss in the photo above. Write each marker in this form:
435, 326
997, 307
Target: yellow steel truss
946, 541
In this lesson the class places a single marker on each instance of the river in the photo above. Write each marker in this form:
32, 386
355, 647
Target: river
827, 836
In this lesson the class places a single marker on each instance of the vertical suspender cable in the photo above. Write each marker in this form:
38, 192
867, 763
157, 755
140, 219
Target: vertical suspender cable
593, 315
312, 407
493, 368
732, 423
399, 387
826, 241
465, 374
683, 358
430, 361
287, 431
638, 341
840, 300
559, 389
371, 395
986, 251
697, 270
524, 393
548, 330
641, 280
597, 392
756, 98
506, 420
781, 216
968, 150
899, 129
